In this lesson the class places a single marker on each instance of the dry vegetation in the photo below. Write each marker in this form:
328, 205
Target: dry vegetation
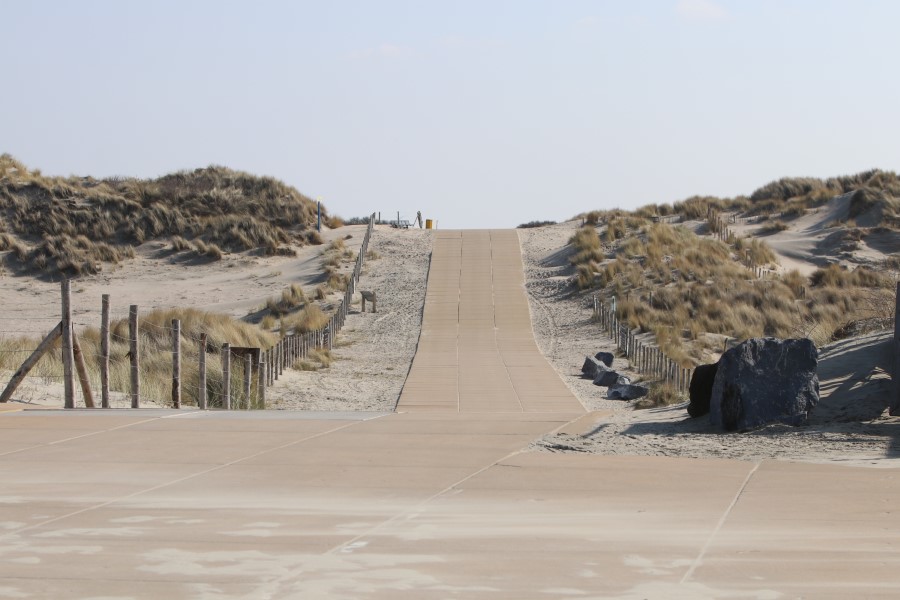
75, 224
682, 288
156, 354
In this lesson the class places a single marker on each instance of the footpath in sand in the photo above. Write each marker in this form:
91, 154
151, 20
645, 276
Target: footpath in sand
435, 501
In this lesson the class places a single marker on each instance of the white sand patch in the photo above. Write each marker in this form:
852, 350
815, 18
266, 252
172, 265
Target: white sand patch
374, 351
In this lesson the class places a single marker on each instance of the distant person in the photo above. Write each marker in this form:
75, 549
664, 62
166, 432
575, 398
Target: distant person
419, 218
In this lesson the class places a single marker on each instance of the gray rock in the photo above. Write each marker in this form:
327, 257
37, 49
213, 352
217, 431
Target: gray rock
700, 389
589, 368
626, 392
605, 357
765, 380
606, 377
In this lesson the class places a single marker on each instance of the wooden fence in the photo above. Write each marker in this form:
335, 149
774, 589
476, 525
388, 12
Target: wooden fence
646, 359
246, 372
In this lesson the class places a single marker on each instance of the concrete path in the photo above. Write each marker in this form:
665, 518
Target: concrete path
477, 352
437, 501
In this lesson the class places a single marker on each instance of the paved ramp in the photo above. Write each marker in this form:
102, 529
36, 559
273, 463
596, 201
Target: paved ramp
476, 351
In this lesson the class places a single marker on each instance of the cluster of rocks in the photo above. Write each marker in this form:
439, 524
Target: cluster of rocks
759, 382
619, 387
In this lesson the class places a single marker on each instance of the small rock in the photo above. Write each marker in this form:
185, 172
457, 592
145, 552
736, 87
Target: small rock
605, 357
626, 392
608, 377
589, 368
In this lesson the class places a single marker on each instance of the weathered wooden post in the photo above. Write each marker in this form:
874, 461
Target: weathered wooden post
331, 333
104, 351
201, 393
276, 367
248, 375
261, 379
81, 368
135, 356
895, 401
68, 351
226, 376
29, 363
176, 363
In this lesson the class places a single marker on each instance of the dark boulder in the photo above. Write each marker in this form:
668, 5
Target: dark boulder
701, 388
589, 368
605, 357
765, 380
606, 377
626, 392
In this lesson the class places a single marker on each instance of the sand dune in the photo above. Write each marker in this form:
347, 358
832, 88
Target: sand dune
850, 426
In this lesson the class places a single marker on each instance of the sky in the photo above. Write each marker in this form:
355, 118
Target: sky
486, 113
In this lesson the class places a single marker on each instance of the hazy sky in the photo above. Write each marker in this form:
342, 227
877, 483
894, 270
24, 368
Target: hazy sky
479, 114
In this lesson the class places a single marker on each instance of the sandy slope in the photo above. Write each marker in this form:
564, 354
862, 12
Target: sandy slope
374, 351
850, 426
818, 238
158, 278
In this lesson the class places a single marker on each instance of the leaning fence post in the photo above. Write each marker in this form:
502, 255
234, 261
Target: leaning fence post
81, 369
135, 356
29, 363
68, 351
201, 393
226, 376
176, 363
104, 351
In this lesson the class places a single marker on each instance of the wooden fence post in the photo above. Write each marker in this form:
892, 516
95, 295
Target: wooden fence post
895, 401
104, 351
68, 350
201, 393
275, 361
81, 368
226, 376
261, 380
135, 356
29, 363
248, 375
176, 363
